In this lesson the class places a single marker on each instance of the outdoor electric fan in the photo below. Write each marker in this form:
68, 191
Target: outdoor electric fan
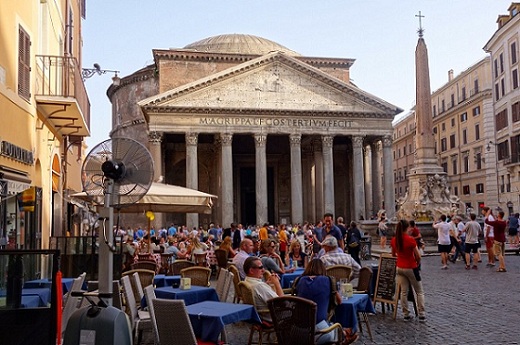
116, 173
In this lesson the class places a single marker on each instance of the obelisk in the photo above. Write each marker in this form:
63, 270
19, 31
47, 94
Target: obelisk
428, 193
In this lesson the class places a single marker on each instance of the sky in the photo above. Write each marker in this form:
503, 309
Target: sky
381, 35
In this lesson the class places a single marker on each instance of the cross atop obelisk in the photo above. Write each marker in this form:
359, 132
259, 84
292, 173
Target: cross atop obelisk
420, 31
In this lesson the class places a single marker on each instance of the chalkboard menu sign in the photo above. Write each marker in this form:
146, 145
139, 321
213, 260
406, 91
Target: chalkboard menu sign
385, 284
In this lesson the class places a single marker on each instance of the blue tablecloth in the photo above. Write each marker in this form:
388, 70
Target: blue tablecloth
161, 280
66, 284
209, 318
30, 301
287, 279
346, 312
194, 295
36, 297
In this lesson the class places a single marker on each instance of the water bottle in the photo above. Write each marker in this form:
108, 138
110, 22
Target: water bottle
290, 263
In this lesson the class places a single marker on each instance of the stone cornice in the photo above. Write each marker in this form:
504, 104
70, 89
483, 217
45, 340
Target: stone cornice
187, 54
136, 77
151, 109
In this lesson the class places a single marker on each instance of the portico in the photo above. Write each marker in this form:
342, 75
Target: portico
277, 136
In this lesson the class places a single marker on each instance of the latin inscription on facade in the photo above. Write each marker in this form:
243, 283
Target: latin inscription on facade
273, 122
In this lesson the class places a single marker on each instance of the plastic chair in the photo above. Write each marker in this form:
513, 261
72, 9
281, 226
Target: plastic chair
294, 321
178, 265
265, 328
199, 275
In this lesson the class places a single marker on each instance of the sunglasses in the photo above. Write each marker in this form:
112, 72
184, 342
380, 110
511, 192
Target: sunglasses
259, 267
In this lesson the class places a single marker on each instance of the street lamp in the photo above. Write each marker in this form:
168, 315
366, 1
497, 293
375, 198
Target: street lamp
89, 72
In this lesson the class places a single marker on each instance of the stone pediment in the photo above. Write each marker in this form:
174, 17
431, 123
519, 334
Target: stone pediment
274, 82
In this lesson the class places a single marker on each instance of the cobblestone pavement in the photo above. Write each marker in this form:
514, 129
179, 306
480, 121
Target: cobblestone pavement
473, 307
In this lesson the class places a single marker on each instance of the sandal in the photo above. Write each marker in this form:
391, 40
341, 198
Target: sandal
467, 267
501, 270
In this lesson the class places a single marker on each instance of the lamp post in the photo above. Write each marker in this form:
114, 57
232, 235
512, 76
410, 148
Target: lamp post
89, 72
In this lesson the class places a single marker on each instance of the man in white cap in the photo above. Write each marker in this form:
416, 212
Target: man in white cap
335, 256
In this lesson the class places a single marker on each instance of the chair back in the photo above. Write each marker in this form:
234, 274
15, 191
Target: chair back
222, 257
236, 279
178, 265
224, 282
266, 275
145, 277
246, 293
339, 272
179, 332
144, 257
138, 288
294, 319
149, 295
200, 259
365, 277
199, 275
165, 262
145, 264
72, 303
128, 292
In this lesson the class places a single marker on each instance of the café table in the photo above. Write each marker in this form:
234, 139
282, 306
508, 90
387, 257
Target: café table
190, 296
66, 284
161, 280
347, 312
287, 279
209, 318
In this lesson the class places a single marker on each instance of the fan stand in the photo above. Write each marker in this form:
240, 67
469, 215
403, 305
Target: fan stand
106, 256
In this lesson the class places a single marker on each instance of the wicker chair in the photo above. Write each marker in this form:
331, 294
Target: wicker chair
224, 281
178, 265
179, 332
201, 259
294, 321
265, 328
145, 264
365, 278
166, 258
139, 319
145, 278
144, 257
236, 279
222, 259
339, 272
149, 295
199, 275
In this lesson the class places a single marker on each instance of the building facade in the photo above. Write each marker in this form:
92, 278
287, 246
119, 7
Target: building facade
278, 137
45, 114
462, 111
503, 49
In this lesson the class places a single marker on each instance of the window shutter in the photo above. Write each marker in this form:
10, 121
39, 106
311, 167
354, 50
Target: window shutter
24, 64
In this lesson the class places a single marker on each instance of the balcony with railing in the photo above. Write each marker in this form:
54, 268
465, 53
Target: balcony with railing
61, 96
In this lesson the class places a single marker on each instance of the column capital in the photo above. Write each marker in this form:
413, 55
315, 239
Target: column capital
295, 139
327, 140
367, 150
225, 139
357, 141
155, 137
375, 145
260, 139
387, 141
191, 139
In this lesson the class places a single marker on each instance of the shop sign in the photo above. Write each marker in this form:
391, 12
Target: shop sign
16, 152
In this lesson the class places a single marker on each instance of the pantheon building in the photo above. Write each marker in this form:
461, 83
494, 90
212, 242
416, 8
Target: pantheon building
277, 136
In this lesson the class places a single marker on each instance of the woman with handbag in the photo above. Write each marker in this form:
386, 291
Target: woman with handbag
354, 241
315, 285
408, 264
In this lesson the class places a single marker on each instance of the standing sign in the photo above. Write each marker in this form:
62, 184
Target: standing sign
385, 291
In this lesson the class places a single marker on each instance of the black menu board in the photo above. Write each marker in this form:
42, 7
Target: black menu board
385, 284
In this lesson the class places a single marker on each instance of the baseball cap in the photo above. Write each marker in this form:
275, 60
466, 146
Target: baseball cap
330, 241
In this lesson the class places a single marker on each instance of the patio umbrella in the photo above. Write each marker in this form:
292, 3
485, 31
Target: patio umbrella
161, 198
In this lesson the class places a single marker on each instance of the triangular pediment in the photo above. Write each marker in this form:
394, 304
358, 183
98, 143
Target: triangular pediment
271, 82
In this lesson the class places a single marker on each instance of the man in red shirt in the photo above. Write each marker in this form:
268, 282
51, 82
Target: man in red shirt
499, 244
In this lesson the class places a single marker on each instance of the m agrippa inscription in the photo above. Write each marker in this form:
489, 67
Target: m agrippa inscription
274, 122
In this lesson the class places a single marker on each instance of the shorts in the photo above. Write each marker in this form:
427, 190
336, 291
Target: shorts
444, 248
499, 248
489, 242
512, 232
471, 247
